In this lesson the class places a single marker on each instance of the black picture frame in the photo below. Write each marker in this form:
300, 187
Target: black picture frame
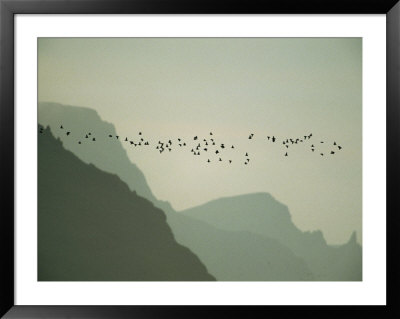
8, 10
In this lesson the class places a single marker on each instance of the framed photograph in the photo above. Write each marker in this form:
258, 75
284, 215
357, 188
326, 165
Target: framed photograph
163, 158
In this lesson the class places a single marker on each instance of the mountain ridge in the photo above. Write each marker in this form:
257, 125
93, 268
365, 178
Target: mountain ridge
273, 214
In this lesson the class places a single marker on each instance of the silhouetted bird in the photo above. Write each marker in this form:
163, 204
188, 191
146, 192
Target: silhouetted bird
94, 139
86, 136
110, 135
230, 161
322, 154
245, 163
195, 138
273, 139
117, 137
247, 154
268, 137
211, 133
68, 133
90, 133
208, 161
332, 152
131, 142
216, 152
334, 143
339, 147
126, 139
79, 142
184, 144
286, 154
322, 141
205, 149
232, 146
287, 146
140, 133
222, 146
61, 127
312, 149
220, 159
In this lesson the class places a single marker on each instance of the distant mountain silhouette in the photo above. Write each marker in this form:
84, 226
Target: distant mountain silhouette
238, 255
261, 214
91, 227
236, 238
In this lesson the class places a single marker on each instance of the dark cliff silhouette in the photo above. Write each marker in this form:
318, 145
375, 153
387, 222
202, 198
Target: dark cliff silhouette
107, 156
91, 227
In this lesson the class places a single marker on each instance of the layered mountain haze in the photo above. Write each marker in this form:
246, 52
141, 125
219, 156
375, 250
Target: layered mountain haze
242, 238
91, 227
263, 215
238, 255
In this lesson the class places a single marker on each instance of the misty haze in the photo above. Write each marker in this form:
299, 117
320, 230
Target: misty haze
199, 159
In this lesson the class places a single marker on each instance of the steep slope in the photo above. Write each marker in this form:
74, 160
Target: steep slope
261, 214
91, 227
105, 154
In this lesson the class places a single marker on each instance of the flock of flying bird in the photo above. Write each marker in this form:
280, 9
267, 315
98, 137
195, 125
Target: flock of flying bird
208, 146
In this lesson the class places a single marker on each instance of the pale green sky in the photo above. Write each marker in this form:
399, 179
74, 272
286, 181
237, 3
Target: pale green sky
181, 87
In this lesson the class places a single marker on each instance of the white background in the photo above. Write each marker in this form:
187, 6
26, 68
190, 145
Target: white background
372, 290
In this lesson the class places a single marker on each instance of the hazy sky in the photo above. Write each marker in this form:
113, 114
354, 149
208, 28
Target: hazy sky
181, 87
